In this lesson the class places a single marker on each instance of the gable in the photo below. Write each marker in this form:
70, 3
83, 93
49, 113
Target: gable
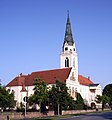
17, 81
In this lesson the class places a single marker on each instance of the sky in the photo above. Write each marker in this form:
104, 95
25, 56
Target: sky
32, 34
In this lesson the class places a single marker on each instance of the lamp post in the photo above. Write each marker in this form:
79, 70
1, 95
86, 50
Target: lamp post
25, 101
58, 110
25, 106
58, 104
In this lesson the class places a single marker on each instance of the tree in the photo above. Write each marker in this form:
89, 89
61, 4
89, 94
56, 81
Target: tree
79, 103
40, 95
6, 99
108, 92
59, 97
79, 99
11, 101
102, 99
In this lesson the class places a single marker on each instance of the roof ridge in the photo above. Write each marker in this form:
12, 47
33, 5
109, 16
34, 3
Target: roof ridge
52, 70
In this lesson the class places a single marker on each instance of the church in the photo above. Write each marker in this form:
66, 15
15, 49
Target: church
23, 85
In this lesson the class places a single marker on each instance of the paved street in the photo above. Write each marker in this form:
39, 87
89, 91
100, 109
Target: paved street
92, 116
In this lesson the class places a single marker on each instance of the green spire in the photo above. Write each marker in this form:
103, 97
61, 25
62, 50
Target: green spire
68, 33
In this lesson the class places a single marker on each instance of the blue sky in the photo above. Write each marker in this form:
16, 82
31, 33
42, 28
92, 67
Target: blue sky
32, 34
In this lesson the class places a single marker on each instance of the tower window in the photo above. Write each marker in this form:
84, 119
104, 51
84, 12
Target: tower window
66, 48
66, 62
74, 49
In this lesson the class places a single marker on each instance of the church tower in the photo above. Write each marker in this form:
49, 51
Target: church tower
68, 56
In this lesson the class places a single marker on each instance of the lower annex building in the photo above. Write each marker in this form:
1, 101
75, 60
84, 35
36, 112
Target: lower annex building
23, 85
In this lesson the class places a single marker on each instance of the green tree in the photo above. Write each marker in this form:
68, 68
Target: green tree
108, 92
79, 103
79, 99
103, 100
11, 101
59, 97
40, 95
6, 99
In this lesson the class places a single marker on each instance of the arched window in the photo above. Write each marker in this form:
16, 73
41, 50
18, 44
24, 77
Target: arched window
66, 48
73, 92
66, 62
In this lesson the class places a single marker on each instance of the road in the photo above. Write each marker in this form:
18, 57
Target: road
91, 116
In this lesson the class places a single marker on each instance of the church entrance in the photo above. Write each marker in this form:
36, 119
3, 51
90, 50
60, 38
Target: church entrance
93, 105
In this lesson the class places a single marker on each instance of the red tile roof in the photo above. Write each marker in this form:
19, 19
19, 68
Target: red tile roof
18, 81
49, 76
84, 81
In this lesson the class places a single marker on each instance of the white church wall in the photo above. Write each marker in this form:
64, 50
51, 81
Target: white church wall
99, 90
30, 90
17, 92
23, 94
84, 91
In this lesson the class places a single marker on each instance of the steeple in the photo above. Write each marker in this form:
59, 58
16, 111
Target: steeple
68, 56
68, 33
